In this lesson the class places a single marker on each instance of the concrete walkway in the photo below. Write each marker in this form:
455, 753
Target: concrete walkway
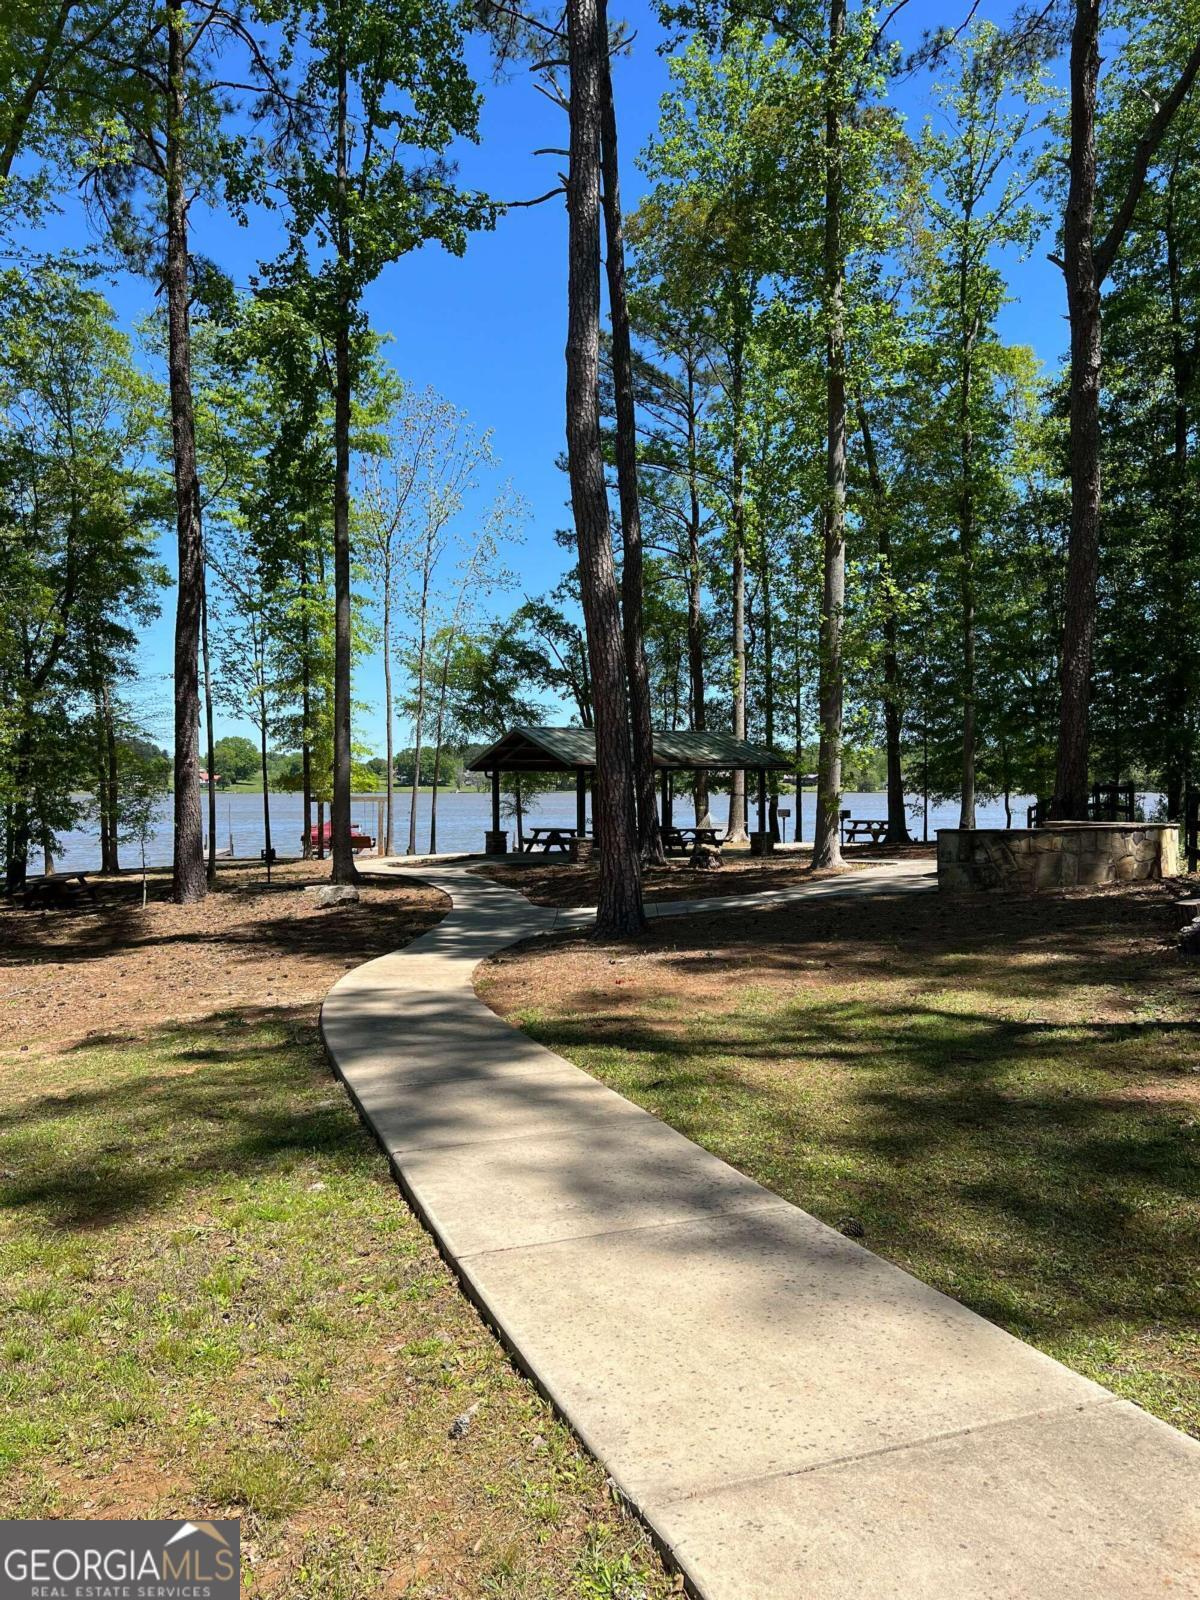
794, 1418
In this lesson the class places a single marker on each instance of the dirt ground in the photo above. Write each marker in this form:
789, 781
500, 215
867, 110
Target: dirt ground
552, 881
115, 971
1102, 938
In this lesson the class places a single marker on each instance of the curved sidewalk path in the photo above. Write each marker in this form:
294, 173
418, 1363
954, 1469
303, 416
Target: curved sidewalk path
793, 1417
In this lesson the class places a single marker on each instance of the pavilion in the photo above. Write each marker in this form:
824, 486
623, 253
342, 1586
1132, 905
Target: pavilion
525, 749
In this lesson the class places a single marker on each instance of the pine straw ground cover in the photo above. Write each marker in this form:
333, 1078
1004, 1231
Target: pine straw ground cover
1004, 1093
549, 880
213, 1300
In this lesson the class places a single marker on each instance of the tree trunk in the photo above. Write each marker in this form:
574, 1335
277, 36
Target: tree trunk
1178, 647
101, 756
188, 863
39, 80
114, 793
649, 833
619, 912
17, 865
418, 727
1085, 267
695, 622
736, 831
433, 793
897, 828
211, 759
260, 651
966, 556
827, 848
389, 738
306, 846
439, 733
343, 868
764, 585
101, 781
798, 709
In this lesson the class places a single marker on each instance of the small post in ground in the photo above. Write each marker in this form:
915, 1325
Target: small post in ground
762, 843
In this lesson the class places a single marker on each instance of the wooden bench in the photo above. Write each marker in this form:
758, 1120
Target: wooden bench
863, 828
56, 891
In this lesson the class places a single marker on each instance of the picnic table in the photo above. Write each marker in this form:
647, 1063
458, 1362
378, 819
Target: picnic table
862, 828
56, 890
547, 839
687, 838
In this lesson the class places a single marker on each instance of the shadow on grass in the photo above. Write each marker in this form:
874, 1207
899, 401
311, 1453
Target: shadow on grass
182, 1108
1045, 1172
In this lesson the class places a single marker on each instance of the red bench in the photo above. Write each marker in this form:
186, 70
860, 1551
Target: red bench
358, 840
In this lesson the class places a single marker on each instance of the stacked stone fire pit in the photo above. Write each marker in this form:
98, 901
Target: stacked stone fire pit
1058, 855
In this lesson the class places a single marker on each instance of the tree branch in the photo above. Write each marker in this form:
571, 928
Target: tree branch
1144, 152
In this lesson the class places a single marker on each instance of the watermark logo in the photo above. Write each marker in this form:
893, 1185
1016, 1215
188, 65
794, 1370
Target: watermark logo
50, 1560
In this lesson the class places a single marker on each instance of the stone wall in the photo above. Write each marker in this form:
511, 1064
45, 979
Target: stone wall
1058, 855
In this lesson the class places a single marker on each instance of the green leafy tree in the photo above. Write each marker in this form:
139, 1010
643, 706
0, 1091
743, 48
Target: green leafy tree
159, 143
981, 164
386, 92
237, 759
79, 509
145, 785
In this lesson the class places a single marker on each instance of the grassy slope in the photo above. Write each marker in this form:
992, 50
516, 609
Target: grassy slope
1009, 1103
212, 1298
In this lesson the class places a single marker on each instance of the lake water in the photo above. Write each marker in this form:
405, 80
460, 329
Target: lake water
463, 819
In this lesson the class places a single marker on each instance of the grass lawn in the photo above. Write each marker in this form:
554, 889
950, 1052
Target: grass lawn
213, 1300
1005, 1094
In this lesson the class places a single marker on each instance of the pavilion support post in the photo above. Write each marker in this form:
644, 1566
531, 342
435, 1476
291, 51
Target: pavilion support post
582, 848
496, 842
762, 841
668, 799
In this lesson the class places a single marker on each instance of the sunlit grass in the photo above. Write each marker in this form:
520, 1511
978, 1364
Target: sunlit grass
1014, 1120
213, 1300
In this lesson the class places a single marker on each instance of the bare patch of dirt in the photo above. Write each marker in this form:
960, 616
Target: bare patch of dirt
116, 971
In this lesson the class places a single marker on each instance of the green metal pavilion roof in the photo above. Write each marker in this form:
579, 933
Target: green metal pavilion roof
568, 749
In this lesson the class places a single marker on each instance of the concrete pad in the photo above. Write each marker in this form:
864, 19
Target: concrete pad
444, 1033
1091, 1504
914, 876
901, 877
469, 1107
748, 1345
538, 1189
795, 1418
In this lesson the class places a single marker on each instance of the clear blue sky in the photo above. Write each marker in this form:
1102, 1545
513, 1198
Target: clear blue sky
487, 330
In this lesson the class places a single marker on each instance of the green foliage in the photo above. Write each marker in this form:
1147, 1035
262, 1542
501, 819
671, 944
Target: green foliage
79, 508
143, 783
399, 67
237, 758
